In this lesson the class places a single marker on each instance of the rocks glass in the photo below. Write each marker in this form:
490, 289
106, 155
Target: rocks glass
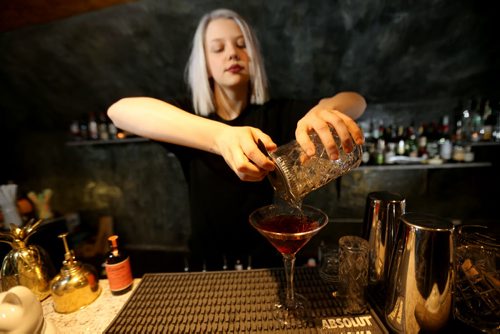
353, 273
477, 285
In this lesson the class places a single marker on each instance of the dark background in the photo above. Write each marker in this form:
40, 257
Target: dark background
412, 60
414, 51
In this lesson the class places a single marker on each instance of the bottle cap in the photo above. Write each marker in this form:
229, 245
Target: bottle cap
113, 239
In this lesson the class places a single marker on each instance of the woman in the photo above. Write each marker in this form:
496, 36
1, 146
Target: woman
214, 135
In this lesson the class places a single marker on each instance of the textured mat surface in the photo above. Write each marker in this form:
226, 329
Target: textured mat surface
233, 301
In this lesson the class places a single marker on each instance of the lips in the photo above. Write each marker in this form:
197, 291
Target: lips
234, 68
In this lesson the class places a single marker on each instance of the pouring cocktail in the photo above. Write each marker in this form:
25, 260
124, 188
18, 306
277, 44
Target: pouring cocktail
288, 232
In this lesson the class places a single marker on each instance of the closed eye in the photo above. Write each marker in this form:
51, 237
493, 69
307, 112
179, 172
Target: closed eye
216, 48
241, 43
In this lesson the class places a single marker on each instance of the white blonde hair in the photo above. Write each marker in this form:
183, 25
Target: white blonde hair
197, 73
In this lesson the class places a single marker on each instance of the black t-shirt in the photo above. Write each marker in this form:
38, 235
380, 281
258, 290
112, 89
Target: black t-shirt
220, 202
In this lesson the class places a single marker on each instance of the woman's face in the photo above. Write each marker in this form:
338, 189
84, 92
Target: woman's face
226, 54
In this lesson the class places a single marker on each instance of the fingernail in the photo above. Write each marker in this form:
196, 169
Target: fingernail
334, 156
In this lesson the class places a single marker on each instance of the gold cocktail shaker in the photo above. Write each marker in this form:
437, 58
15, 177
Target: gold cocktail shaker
76, 286
26, 265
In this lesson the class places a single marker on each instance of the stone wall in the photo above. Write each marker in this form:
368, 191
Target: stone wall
413, 61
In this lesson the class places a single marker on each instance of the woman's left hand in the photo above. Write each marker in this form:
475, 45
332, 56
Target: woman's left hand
319, 119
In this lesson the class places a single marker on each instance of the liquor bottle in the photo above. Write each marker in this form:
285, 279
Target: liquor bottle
476, 122
488, 122
375, 132
74, 130
421, 140
113, 131
93, 130
444, 128
422, 147
102, 127
84, 130
238, 265
400, 150
466, 122
379, 152
389, 153
411, 142
496, 128
368, 149
224, 262
371, 129
444, 141
118, 269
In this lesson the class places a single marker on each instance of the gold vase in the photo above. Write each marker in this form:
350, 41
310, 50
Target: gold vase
76, 286
26, 265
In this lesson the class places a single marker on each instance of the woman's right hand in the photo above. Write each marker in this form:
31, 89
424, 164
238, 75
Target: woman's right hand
238, 146
161, 121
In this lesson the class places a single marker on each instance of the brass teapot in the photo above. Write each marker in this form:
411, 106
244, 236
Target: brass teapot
76, 286
26, 265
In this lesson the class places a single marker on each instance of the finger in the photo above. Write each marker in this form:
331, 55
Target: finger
267, 140
256, 157
251, 178
254, 154
246, 169
302, 137
325, 135
336, 119
355, 131
250, 172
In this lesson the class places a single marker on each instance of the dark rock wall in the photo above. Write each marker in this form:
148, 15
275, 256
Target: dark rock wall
412, 60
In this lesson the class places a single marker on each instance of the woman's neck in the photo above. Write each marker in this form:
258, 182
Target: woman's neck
230, 103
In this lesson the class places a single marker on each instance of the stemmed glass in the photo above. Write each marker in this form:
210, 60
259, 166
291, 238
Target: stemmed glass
288, 231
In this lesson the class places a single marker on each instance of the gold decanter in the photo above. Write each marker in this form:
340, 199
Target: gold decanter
76, 286
27, 265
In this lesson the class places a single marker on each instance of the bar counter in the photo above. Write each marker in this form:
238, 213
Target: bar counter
92, 319
217, 302
211, 302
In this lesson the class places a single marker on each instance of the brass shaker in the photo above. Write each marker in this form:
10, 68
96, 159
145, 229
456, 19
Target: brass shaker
26, 265
76, 286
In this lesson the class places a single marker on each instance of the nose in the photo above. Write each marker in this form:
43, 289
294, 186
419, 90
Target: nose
232, 52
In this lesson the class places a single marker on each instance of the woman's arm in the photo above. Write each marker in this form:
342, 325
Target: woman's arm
339, 112
351, 104
161, 121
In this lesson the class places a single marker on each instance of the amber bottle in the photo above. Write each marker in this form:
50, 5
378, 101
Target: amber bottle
118, 268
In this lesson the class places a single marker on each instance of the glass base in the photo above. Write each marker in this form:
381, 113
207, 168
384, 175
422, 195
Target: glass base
294, 312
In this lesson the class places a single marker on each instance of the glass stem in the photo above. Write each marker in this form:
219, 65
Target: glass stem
289, 262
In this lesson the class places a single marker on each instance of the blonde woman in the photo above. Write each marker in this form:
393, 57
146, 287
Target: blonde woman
214, 133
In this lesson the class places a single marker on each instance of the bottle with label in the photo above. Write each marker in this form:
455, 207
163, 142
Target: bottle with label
102, 127
488, 122
411, 148
93, 129
118, 269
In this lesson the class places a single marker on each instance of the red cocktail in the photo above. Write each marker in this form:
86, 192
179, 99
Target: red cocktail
288, 233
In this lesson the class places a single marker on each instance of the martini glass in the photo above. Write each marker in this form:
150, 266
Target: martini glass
288, 231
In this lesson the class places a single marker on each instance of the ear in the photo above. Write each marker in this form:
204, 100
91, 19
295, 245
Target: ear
10, 298
11, 312
23, 295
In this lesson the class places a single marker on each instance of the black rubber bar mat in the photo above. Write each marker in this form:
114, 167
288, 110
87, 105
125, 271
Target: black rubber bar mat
233, 302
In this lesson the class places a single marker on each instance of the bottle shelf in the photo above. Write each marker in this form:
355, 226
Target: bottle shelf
484, 143
426, 166
107, 142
